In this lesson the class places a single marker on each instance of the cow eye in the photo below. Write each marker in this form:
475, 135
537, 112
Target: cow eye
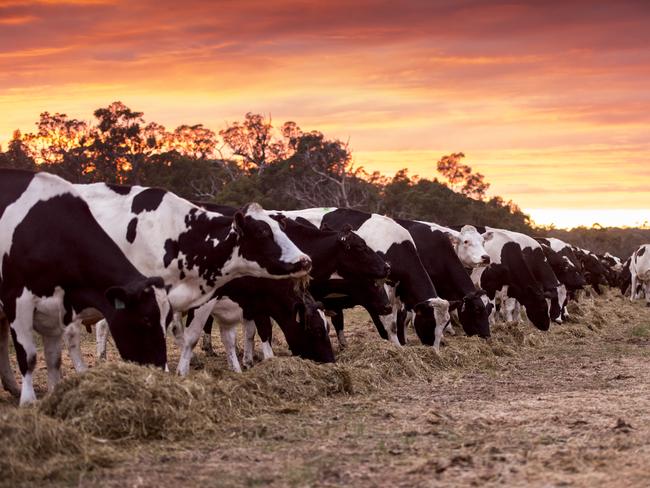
466, 242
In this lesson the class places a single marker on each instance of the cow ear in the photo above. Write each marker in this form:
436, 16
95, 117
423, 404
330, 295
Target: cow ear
117, 297
454, 239
488, 235
238, 221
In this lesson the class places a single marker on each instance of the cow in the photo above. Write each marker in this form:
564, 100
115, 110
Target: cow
594, 271
342, 253
625, 277
59, 265
194, 251
613, 267
538, 265
408, 283
253, 302
640, 273
509, 275
444, 267
567, 268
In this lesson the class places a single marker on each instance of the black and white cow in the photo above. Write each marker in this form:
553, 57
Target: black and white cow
254, 302
640, 273
625, 277
194, 251
58, 264
538, 265
566, 266
340, 252
442, 263
408, 283
593, 270
613, 266
509, 277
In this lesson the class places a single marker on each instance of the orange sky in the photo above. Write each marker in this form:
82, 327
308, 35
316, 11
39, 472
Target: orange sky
549, 99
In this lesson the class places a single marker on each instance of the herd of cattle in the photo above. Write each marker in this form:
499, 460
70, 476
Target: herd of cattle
133, 260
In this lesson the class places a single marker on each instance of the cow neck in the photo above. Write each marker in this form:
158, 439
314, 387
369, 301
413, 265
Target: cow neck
541, 268
413, 283
321, 246
519, 272
443, 266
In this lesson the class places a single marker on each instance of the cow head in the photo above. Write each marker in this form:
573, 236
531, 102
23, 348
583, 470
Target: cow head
594, 271
139, 319
427, 315
356, 260
567, 273
262, 241
533, 298
468, 244
474, 312
314, 343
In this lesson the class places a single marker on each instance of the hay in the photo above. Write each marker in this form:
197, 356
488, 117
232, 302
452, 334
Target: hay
36, 447
122, 401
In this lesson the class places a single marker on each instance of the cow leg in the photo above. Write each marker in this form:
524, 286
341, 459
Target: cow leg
338, 322
249, 343
646, 291
206, 344
450, 328
633, 288
101, 336
492, 318
229, 339
52, 346
264, 328
72, 338
387, 326
6, 372
510, 310
177, 329
402, 324
22, 333
191, 336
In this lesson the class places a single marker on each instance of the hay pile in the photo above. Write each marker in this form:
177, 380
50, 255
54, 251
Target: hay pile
122, 401
36, 447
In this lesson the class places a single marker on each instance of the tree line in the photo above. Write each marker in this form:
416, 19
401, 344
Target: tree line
283, 167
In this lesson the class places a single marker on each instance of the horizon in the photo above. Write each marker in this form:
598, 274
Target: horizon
548, 101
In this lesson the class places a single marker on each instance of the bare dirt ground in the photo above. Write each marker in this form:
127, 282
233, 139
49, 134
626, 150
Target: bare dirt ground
571, 409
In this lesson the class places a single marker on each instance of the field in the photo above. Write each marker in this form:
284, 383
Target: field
565, 408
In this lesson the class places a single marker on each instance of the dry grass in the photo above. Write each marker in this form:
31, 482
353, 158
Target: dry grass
117, 404
36, 447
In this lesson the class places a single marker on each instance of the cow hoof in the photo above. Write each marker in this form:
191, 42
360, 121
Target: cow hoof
647, 304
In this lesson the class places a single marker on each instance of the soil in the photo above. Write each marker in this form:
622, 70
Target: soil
573, 410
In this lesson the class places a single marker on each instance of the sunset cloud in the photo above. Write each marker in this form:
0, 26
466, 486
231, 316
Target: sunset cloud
548, 99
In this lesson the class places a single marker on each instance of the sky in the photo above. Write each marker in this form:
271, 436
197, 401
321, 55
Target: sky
550, 100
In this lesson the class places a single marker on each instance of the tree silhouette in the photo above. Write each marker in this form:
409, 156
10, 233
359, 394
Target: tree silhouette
460, 177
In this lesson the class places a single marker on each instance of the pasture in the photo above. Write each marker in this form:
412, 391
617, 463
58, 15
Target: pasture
564, 408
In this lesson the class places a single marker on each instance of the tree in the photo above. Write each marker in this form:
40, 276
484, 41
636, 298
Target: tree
322, 172
17, 154
460, 177
253, 142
